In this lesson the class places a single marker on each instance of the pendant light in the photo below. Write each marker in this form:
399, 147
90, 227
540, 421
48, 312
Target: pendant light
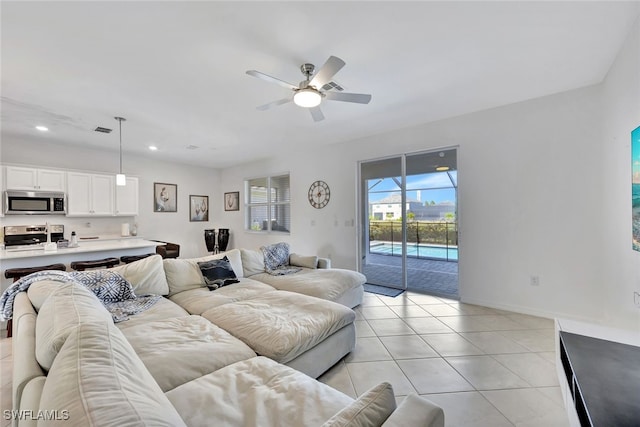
121, 179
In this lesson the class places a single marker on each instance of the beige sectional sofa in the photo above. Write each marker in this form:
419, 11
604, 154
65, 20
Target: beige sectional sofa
195, 358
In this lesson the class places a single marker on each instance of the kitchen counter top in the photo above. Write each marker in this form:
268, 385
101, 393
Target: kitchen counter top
84, 246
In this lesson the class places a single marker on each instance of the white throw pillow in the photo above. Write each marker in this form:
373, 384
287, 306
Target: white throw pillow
252, 262
303, 261
369, 410
146, 276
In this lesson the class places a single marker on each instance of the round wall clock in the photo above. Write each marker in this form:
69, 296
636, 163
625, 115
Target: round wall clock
319, 194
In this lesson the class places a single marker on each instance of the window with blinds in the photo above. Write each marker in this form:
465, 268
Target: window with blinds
268, 204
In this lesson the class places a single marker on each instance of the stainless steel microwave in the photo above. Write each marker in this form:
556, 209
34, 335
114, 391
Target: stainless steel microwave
35, 203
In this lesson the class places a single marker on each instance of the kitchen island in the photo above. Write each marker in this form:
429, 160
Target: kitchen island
86, 250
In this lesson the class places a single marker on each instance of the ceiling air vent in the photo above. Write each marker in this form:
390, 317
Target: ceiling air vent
103, 130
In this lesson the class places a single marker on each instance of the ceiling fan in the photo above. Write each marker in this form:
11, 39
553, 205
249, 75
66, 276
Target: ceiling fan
310, 92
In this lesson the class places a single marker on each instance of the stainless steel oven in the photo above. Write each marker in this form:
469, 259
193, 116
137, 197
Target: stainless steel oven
34, 203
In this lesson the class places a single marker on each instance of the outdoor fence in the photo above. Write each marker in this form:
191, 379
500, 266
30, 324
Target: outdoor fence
437, 233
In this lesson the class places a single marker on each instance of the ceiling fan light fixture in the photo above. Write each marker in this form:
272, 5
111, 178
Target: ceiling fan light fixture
307, 98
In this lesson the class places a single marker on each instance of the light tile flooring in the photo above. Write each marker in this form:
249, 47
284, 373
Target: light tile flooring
485, 367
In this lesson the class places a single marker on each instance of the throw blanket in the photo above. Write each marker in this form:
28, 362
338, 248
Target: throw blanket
113, 290
276, 259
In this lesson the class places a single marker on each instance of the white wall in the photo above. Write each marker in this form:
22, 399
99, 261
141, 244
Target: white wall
530, 188
172, 227
621, 264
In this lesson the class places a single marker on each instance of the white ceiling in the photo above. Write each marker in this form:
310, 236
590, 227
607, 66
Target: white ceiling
176, 70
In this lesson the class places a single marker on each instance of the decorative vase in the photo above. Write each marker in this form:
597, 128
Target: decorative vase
210, 239
223, 239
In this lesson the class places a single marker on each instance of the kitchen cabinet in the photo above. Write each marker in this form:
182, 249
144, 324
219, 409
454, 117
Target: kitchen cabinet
30, 179
127, 198
90, 195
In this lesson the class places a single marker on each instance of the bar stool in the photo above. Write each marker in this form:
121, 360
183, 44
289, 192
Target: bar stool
97, 263
128, 259
18, 273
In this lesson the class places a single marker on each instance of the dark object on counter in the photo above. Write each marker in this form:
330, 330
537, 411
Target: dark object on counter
18, 273
63, 243
98, 263
168, 250
128, 259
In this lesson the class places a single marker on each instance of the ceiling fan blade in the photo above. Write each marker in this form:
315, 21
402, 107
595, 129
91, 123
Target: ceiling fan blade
268, 78
316, 113
273, 104
327, 71
359, 98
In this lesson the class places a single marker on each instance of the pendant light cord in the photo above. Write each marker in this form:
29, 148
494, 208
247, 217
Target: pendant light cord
120, 120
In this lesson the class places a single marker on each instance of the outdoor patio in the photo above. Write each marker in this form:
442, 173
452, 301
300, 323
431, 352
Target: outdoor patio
438, 278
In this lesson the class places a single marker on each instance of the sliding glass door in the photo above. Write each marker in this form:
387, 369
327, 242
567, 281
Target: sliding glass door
409, 222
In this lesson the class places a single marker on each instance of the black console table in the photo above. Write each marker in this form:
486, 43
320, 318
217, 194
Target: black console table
603, 378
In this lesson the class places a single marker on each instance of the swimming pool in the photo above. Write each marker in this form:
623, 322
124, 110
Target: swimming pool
415, 250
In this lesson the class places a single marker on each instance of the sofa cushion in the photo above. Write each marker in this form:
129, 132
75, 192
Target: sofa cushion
303, 261
184, 274
68, 306
370, 409
329, 284
182, 349
252, 262
163, 309
39, 291
146, 276
281, 325
217, 273
257, 392
98, 380
197, 301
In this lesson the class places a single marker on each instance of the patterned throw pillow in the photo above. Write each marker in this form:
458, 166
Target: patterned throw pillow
275, 255
107, 285
217, 273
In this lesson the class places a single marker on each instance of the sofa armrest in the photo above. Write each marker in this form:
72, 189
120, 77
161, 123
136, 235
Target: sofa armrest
324, 263
416, 411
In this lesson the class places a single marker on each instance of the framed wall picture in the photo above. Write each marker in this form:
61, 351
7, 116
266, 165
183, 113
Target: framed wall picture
198, 208
232, 201
165, 197
635, 188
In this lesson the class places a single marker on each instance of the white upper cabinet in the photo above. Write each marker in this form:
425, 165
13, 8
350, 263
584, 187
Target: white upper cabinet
90, 195
127, 198
30, 179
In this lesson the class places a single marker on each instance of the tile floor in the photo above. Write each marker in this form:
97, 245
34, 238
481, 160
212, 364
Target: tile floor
485, 367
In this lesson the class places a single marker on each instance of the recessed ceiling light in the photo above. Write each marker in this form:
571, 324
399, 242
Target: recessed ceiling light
153, 148
42, 128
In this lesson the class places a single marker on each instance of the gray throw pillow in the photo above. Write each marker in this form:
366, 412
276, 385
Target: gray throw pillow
217, 273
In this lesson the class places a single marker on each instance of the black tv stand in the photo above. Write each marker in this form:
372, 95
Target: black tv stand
603, 378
